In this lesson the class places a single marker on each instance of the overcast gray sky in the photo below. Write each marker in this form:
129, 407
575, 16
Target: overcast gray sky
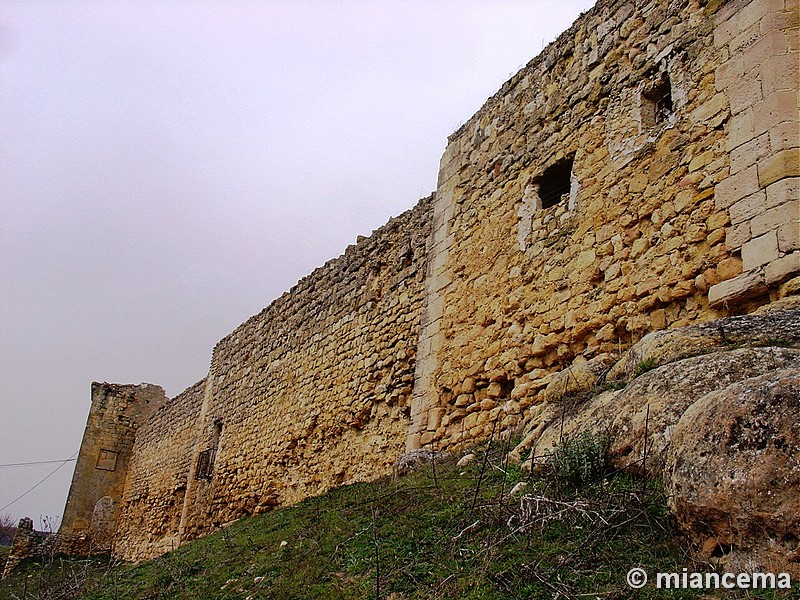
169, 168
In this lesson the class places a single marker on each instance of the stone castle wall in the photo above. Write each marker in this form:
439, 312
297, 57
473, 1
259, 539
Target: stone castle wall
312, 392
658, 220
158, 477
640, 174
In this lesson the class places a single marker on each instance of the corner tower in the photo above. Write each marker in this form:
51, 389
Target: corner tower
101, 470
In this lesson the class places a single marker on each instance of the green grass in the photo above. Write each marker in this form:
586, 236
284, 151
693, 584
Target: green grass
447, 533
648, 364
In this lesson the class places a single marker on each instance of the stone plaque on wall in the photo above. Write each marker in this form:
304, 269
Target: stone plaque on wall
107, 460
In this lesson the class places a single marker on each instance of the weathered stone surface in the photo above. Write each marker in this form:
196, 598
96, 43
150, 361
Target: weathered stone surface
27, 544
651, 405
639, 239
315, 390
158, 477
790, 301
616, 185
760, 250
733, 291
662, 347
577, 378
101, 471
733, 472
416, 459
783, 268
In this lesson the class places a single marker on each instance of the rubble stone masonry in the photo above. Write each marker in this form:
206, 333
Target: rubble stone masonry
159, 473
676, 127
117, 412
312, 392
641, 173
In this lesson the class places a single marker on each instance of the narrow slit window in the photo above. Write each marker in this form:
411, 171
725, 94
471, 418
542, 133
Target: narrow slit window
206, 458
205, 463
556, 182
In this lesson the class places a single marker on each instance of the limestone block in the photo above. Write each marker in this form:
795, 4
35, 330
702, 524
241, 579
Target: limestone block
715, 237
737, 235
784, 191
745, 92
770, 45
775, 108
706, 111
760, 250
699, 161
741, 128
780, 72
789, 235
729, 73
787, 214
434, 418
729, 268
732, 189
748, 207
785, 135
785, 163
783, 268
749, 153
733, 291
495, 390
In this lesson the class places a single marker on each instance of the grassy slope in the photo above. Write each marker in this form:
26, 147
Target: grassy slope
415, 537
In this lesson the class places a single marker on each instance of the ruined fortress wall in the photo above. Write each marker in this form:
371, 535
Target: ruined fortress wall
315, 390
759, 76
116, 413
641, 173
624, 125
158, 476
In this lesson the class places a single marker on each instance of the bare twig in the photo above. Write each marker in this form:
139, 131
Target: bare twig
483, 467
377, 555
467, 530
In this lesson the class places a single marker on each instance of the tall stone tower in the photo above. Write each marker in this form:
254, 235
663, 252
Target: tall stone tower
101, 470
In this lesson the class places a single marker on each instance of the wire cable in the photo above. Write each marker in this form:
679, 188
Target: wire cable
53, 472
39, 462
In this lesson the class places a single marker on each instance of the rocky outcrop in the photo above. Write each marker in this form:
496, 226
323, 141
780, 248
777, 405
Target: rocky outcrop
733, 471
416, 459
666, 346
580, 377
722, 428
651, 405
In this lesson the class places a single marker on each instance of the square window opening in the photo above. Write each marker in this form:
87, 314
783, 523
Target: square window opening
555, 184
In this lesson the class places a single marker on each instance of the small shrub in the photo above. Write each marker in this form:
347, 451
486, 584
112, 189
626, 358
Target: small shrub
8, 529
578, 461
644, 366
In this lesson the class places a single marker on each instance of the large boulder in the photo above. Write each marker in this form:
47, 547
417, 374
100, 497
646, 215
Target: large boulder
576, 379
668, 345
714, 409
733, 473
649, 407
